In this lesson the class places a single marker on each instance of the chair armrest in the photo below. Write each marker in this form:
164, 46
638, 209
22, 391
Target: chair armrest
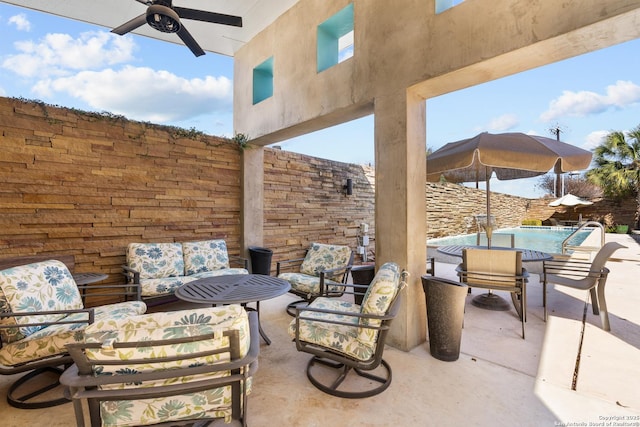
89, 320
239, 260
128, 290
287, 264
300, 316
571, 268
131, 275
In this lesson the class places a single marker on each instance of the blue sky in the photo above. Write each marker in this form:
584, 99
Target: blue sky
72, 64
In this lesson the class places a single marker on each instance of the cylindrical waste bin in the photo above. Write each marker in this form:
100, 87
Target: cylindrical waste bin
260, 260
362, 275
445, 312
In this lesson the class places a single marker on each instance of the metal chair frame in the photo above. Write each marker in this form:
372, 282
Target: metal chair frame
343, 363
516, 284
83, 385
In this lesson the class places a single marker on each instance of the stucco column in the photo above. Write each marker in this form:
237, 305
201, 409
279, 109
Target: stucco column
400, 209
252, 197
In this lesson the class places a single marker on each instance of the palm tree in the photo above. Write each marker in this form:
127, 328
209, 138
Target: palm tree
617, 168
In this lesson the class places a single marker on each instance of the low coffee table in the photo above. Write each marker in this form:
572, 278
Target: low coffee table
234, 289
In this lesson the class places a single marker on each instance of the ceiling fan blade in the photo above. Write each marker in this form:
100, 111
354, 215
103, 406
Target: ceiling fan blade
203, 15
131, 25
190, 41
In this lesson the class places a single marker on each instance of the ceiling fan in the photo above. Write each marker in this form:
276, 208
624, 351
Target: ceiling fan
164, 17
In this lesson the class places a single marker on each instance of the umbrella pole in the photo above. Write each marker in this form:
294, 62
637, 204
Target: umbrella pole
489, 226
489, 300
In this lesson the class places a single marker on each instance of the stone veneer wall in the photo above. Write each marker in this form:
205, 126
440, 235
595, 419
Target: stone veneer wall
87, 185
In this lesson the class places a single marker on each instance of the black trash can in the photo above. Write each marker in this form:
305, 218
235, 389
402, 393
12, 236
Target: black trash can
260, 260
362, 275
445, 312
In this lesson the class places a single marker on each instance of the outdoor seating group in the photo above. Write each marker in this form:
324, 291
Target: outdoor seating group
131, 367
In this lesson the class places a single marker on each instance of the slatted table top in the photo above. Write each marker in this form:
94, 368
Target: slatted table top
528, 255
233, 289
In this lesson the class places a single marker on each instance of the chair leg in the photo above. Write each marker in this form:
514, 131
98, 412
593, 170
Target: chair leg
23, 401
594, 301
544, 300
604, 313
343, 371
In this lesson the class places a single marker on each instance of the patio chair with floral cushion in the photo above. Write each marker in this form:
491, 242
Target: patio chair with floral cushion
169, 368
41, 310
344, 336
322, 272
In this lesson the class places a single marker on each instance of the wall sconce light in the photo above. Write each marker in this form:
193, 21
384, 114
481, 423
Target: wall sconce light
348, 187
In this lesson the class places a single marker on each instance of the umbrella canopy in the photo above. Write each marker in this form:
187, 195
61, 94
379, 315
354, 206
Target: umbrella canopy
570, 200
509, 155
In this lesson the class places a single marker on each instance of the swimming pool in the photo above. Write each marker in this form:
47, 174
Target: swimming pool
545, 239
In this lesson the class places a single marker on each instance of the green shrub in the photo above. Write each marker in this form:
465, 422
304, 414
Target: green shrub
537, 222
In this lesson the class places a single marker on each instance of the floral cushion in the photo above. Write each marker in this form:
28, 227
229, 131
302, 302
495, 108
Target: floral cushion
223, 272
205, 256
340, 338
160, 326
378, 298
164, 286
325, 257
309, 284
156, 260
50, 341
41, 286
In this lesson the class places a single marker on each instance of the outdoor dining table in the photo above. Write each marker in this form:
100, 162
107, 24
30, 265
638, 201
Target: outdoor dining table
234, 289
489, 300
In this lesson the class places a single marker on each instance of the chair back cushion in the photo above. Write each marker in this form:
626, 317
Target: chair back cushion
206, 255
325, 257
481, 264
41, 286
378, 298
159, 326
156, 260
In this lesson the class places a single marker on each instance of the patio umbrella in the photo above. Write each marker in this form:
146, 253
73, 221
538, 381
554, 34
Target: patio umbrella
508, 155
570, 200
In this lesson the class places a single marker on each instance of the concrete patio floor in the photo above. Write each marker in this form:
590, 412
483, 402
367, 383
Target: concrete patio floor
499, 380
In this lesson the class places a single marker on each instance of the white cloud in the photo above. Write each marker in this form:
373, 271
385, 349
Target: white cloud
144, 94
60, 54
584, 103
21, 22
594, 139
503, 123
3, 92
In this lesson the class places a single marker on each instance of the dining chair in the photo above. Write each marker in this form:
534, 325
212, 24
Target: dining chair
497, 269
582, 274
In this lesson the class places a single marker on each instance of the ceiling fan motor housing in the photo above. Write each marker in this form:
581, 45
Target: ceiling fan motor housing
163, 18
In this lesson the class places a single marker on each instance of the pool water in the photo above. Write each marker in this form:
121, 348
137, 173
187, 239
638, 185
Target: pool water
545, 239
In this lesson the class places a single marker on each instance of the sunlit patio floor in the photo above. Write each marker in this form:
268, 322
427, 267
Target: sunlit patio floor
499, 379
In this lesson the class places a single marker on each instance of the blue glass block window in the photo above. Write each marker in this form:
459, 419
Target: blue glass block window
263, 81
442, 5
335, 39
